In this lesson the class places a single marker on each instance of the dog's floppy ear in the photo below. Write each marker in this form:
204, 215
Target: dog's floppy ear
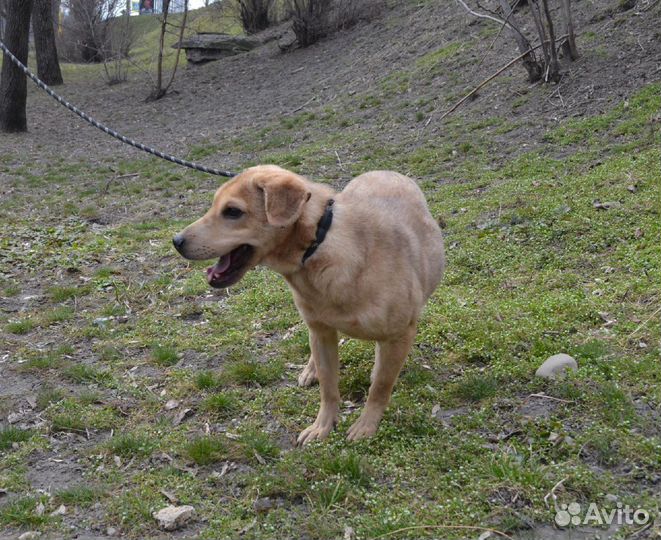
285, 193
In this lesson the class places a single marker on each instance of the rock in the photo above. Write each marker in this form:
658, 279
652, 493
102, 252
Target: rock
205, 47
111, 531
611, 498
609, 205
556, 365
30, 535
263, 504
172, 517
186, 413
59, 511
171, 404
15, 417
287, 41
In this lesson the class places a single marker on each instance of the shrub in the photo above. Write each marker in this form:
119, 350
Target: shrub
315, 19
255, 15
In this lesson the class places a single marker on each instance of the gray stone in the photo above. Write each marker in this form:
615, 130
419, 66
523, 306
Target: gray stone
205, 47
263, 504
556, 365
172, 517
30, 535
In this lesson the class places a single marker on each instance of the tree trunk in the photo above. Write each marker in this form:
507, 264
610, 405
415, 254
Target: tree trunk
48, 66
13, 84
569, 46
529, 60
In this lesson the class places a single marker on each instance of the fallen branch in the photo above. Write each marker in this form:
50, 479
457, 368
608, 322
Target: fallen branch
488, 80
544, 396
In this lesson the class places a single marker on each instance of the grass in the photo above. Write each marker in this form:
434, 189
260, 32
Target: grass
164, 355
533, 269
23, 513
130, 445
82, 495
20, 327
206, 450
222, 404
10, 435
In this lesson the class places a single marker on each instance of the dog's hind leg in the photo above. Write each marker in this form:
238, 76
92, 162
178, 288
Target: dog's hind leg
390, 357
323, 342
309, 374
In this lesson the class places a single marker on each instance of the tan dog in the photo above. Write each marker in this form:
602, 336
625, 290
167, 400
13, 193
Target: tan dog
368, 277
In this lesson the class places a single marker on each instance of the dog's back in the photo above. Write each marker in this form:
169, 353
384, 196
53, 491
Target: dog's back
393, 213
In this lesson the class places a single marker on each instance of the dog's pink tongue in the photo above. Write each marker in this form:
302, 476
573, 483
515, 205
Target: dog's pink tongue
217, 269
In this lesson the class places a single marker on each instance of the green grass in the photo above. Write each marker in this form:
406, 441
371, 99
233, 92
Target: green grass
20, 327
82, 495
10, 435
207, 380
23, 513
130, 445
82, 373
222, 404
206, 450
164, 355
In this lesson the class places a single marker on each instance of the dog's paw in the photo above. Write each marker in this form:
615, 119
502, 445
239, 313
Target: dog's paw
317, 431
308, 376
363, 428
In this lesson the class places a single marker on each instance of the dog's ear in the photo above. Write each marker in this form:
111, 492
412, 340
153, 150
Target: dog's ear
285, 193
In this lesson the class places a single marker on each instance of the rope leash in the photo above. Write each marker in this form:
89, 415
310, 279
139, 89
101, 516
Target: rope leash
106, 129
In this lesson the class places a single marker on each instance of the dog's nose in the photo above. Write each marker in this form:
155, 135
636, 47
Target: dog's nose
178, 242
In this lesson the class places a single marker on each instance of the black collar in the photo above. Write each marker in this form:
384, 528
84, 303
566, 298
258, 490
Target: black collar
322, 228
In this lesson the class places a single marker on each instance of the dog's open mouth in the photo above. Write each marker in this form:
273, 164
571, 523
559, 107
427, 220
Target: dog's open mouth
230, 267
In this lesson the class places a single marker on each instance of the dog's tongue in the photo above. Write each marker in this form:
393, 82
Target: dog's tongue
217, 269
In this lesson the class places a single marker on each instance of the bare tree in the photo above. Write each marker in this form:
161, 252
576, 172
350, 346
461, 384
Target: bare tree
13, 84
160, 90
48, 65
547, 68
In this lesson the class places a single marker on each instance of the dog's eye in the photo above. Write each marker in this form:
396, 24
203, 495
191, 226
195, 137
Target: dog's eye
231, 212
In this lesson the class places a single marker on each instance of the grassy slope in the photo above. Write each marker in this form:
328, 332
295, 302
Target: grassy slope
533, 269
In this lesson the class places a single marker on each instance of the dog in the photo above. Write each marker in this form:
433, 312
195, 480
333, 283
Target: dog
362, 262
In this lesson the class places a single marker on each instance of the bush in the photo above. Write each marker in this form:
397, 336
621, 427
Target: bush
315, 19
255, 15
310, 20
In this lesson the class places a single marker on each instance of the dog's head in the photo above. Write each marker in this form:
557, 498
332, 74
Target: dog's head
250, 214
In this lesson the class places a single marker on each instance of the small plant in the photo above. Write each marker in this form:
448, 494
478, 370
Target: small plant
349, 465
47, 396
476, 387
129, 445
206, 450
11, 435
257, 443
59, 314
206, 380
20, 327
250, 372
221, 404
23, 513
330, 493
60, 293
81, 373
82, 496
164, 355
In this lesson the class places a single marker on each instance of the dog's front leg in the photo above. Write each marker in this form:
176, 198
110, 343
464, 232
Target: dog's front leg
323, 345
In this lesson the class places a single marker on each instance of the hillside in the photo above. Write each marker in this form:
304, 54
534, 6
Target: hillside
129, 383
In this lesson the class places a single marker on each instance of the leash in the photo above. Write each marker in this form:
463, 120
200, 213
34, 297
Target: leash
106, 129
